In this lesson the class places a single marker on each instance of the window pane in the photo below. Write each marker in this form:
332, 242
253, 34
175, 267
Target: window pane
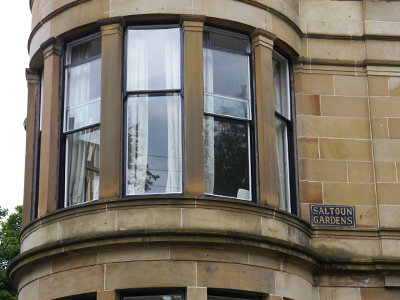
239, 43
283, 167
85, 50
82, 166
226, 149
83, 93
281, 87
226, 83
153, 59
167, 297
154, 144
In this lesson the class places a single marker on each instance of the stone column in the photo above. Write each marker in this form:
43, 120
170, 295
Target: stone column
263, 42
33, 80
108, 295
192, 27
196, 293
111, 107
52, 49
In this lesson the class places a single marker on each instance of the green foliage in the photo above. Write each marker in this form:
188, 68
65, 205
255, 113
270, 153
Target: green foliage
9, 248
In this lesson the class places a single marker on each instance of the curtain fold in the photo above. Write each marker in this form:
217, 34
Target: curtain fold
78, 93
209, 156
137, 79
172, 77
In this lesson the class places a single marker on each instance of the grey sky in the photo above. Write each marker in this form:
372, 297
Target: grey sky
15, 22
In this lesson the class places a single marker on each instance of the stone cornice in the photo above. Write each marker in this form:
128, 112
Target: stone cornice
52, 46
32, 76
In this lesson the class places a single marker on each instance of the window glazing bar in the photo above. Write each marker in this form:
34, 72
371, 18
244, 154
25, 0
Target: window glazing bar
227, 117
81, 62
81, 128
226, 50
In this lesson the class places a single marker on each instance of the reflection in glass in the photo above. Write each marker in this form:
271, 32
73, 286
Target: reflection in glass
85, 50
226, 83
239, 43
83, 92
82, 166
226, 158
153, 59
154, 147
281, 92
283, 167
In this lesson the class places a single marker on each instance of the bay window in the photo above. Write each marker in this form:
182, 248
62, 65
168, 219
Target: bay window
227, 114
153, 103
82, 120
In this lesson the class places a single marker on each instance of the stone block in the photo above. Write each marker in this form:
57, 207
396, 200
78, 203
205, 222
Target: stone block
366, 216
274, 228
265, 260
386, 171
150, 274
338, 106
33, 274
74, 262
339, 293
382, 11
241, 277
379, 128
108, 295
292, 286
326, 170
380, 294
345, 149
312, 148
30, 291
394, 128
349, 280
381, 28
349, 193
347, 248
388, 193
125, 7
133, 254
196, 293
392, 281
295, 268
394, 85
350, 86
378, 85
41, 236
387, 149
334, 127
327, 27
209, 219
361, 172
318, 84
311, 105
199, 254
374, 50
331, 10
310, 192
70, 283
386, 107
87, 225
149, 218
336, 49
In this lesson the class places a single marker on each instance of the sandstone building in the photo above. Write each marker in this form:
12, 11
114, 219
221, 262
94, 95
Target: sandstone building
212, 150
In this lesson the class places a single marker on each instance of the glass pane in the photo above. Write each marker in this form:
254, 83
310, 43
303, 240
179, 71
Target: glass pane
82, 166
85, 50
239, 43
283, 167
281, 87
153, 59
154, 147
83, 92
226, 150
226, 76
167, 297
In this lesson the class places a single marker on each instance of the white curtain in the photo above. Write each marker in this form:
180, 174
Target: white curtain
78, 93
137, 79
209, 122
172, 76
